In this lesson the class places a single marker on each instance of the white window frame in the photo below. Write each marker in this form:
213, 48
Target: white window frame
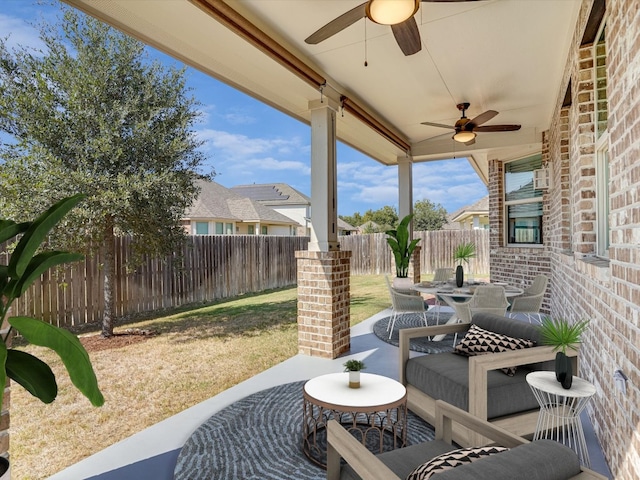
531, 200
603, 231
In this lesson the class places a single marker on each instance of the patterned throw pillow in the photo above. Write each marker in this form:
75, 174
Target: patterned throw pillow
478, 341
452, 459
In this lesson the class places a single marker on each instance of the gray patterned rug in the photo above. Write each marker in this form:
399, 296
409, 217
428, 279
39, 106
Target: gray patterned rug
260, 437
411, 320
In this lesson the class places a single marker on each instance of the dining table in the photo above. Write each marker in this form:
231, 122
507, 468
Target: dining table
457, 297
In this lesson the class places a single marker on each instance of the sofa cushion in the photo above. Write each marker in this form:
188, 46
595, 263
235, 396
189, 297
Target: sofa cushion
478, 341
403, 460
452, 459
446, 376
539, 460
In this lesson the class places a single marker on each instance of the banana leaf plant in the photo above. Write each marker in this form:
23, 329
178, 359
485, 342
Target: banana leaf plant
401, 247
28, 263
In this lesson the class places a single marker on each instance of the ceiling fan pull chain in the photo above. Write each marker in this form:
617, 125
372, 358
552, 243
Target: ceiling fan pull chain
365, 43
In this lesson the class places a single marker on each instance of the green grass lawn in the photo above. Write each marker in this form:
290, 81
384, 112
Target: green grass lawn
197, 353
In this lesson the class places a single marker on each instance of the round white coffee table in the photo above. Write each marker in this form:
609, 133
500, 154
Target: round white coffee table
375, 413
560, 409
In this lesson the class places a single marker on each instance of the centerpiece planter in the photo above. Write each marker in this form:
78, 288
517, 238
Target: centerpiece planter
402, 248
562, 335
463, 253
354, 367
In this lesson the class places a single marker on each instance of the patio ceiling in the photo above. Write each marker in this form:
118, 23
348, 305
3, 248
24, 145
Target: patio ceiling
504, 55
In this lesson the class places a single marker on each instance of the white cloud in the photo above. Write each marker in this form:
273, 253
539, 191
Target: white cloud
19, 33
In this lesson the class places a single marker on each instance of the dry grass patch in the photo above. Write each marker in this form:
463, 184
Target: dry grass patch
193, 355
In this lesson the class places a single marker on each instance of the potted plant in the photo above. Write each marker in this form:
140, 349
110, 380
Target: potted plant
25, 266
463, 253
354, 367
561, 335
402, 248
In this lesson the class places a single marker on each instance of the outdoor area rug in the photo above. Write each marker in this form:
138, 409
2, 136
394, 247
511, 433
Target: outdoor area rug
260, 437
410, 320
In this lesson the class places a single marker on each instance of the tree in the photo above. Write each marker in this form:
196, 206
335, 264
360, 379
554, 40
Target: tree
386, 217
354, 220
91, 114
428, 215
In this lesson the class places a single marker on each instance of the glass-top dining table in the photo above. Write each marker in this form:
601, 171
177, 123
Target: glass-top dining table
457, 297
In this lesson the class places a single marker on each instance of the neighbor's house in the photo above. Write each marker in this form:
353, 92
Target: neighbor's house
470, 217
220, 211
283, 199
346, 229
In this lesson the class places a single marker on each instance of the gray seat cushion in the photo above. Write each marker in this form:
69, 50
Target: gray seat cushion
404, 460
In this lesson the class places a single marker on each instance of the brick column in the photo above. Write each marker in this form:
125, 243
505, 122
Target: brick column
415, 265
324, 320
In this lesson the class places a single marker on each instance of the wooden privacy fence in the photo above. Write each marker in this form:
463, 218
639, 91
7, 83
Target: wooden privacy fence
214, 267
372, 255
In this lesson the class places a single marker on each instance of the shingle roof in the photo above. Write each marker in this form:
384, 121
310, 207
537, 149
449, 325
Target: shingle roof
216, 201
272, 194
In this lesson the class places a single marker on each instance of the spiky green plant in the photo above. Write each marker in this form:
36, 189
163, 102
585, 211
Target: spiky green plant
561, 335
353, 365
26, 265
464, 252
401, 246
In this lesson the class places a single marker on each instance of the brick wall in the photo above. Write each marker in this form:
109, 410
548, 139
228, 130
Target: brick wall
606, 291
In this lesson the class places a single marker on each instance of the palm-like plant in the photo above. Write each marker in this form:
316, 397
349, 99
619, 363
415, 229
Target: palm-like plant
401, 246
464, 252
561, 335
25, 266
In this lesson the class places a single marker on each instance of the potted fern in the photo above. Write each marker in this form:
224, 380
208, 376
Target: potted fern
354, 367
561, 335
463, 253
402, 248
25, 266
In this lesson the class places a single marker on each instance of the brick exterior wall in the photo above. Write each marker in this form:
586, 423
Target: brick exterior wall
324, 319
582, 286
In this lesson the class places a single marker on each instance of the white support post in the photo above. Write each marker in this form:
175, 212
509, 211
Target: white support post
405, 188
324, 181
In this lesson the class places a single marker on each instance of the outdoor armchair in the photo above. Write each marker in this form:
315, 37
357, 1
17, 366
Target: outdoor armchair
486, 299
402, 303
530, 301
475, 383
539, 460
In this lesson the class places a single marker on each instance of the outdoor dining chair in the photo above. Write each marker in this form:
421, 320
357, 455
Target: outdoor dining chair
487, 299
530, 302
441, 275
402, 303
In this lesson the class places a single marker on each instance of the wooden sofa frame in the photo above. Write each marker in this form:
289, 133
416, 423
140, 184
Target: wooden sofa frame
522, 424
342, 445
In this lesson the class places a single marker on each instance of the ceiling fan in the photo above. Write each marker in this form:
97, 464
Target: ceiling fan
396, 13
466, 129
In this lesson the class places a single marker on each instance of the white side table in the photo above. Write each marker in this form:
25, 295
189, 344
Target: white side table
560, 410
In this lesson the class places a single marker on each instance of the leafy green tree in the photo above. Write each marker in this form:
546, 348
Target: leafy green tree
92, 114
428, 215
354, 220
386, 217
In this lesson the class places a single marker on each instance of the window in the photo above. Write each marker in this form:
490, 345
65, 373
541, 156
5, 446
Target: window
523, 203
219, 228
602, 146
229, 228
202, 228
251, 229
263, 230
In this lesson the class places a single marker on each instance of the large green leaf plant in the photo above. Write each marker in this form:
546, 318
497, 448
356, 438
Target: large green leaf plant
401, 247
26, 265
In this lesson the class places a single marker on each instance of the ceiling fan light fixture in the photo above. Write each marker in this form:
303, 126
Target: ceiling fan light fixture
464, 136
391, 12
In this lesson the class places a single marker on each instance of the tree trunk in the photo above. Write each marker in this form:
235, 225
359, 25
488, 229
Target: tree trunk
109, 280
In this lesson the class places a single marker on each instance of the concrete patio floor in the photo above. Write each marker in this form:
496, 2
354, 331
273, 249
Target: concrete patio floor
152, 453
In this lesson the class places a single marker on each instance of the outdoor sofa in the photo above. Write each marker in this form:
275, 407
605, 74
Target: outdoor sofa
476, 384
540, 460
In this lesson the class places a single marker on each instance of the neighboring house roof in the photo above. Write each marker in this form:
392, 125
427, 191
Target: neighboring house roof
481, 207
368, 225
216, 201
342, 225
272, 194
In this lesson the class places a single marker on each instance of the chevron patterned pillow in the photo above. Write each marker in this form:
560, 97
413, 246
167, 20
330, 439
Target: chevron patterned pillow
452, 459
479, 341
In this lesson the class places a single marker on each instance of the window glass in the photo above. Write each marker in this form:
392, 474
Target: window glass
264, 230
523, 203
251, 229
229, 228
202, 228
219, 228
602, 197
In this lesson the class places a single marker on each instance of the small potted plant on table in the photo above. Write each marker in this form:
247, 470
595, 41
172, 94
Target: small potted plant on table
560, 334
463, 253
354, 367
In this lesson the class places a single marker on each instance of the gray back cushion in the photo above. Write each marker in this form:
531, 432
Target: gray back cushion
508, 326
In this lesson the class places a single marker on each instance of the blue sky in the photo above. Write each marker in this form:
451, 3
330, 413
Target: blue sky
247, 141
